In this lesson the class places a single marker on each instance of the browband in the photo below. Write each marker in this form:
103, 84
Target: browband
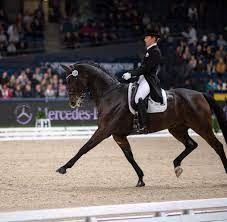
74, 73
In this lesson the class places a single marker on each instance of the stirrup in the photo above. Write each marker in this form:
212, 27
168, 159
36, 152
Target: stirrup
142, 130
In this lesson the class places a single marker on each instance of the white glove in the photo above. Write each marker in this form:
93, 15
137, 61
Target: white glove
127, 75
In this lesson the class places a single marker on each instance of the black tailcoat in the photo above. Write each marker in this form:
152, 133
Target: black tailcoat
150, 68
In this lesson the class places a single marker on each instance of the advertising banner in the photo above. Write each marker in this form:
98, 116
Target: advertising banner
19, 113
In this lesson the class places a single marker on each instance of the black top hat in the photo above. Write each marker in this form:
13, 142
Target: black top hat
152, 32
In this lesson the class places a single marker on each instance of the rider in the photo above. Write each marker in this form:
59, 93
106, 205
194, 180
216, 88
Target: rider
148, 79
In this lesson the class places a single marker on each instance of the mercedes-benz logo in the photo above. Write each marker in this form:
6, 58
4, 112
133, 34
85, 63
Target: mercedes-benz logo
23, 114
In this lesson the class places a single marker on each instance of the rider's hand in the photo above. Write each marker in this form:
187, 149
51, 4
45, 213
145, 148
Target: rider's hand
127, 75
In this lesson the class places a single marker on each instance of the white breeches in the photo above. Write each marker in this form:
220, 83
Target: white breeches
143, 89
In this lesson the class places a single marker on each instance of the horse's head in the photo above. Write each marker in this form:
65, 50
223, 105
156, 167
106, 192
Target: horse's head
76, 84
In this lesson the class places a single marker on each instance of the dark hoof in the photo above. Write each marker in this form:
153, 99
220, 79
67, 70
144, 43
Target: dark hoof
140, 184
61, 170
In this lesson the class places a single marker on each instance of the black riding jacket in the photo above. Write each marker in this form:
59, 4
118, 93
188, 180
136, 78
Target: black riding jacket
150, 65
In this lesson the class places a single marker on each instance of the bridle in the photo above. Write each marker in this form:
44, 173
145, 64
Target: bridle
75, 73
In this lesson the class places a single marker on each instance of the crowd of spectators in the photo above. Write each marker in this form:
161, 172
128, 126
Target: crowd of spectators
121, 21
39, 83
25, 33
206, 56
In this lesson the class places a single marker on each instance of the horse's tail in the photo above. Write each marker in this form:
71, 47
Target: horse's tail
219, 113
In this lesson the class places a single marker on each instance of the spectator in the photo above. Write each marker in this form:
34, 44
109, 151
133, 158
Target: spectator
28, 91
193, 14
23, 79
4, 79
220, 53
86, 31
68, 40
191, 35
210, 67
18, 91
38, 74
209, 55
38, 91
62, 92
11, 48
192, 62
28, 73
27, 21
220, 85
186, 54
165, 30
146, 20
220, 67
199, 53
224, 86
6, 92
211, 86
54, 82
49, 92
34, 81
12, 81
200, 66
13, 34
221, 41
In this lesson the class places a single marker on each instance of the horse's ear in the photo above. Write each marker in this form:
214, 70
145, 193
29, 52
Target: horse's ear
71, 67
66, 68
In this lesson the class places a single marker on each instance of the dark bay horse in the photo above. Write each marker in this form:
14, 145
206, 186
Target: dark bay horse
186, 109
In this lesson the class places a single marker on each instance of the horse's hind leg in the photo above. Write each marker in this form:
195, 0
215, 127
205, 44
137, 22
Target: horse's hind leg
125, 147
208, 135
181, 134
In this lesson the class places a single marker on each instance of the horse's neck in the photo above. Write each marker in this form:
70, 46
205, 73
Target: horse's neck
99, 87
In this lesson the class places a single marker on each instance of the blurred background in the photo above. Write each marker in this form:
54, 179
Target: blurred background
36, 36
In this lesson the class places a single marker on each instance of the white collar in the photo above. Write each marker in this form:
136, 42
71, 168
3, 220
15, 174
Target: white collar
151, 45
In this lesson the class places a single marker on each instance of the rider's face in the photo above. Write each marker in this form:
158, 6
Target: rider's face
149, 40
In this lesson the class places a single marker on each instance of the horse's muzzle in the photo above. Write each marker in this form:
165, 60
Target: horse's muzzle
72, 105
77, 103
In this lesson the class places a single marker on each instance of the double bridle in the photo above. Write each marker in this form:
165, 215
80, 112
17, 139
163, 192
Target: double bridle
80, 99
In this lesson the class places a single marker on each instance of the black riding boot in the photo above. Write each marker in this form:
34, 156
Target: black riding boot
142, 116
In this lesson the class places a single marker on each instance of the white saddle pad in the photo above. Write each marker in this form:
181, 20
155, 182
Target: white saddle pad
153, 107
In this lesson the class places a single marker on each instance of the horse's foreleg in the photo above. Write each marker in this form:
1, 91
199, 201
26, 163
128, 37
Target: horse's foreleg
97, 137
181, 134
125, 147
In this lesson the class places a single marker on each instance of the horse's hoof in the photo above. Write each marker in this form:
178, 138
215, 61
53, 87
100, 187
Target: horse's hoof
61, 170
178, 171
140, 184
